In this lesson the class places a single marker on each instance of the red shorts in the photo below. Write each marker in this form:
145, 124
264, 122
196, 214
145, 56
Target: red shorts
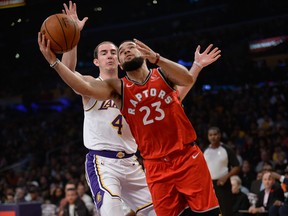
180, 180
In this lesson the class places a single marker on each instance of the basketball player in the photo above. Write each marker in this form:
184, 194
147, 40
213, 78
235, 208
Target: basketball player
176, 170
112, 169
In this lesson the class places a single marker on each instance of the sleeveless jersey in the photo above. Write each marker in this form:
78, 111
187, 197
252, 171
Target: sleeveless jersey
105, 128
155, 116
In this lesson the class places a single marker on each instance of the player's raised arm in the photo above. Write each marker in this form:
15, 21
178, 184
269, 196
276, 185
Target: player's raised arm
70, 58
101, 90
176, 73
201, 60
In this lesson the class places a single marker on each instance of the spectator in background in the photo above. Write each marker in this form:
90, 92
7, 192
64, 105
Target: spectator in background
9, 196
246, 174
240, 199
265, 160
82, 193
271, 195
222, 164
280, 159
69, 186
57, 194
281, 210
257, 185
20, 193
74, 205
34, 194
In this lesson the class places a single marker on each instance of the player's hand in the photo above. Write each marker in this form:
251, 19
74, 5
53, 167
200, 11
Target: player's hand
208, 56
72, 12
146, 51
44, 46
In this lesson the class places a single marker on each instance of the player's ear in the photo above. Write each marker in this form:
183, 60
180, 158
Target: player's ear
96, 62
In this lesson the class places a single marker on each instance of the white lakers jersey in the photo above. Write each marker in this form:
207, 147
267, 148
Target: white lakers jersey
105, 128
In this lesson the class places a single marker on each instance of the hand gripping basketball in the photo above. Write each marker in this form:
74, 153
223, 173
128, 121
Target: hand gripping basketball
62, 31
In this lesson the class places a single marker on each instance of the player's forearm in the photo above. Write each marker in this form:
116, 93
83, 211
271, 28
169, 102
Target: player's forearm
183, 90
176, 73
100, 90
70, 59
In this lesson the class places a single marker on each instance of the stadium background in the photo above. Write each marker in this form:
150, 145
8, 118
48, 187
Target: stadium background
41, 118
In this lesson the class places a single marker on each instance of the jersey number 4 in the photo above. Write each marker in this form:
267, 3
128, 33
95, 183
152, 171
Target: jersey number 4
117, 124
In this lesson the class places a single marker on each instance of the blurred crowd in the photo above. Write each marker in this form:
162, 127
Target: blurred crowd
42, 150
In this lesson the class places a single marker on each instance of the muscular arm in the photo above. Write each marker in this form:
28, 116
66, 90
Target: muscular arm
100, 90
176, 73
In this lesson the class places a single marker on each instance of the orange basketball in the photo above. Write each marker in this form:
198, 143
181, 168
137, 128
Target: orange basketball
62, 31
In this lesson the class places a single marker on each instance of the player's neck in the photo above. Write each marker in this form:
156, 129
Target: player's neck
108, 75
138, 75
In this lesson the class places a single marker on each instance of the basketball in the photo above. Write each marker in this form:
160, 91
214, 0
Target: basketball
62, 31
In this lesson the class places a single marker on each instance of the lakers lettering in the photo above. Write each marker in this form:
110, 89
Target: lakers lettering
107, 104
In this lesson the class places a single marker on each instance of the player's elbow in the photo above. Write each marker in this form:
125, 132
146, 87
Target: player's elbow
188, 80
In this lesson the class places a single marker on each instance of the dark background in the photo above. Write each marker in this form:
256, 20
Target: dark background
244, 93
171, 27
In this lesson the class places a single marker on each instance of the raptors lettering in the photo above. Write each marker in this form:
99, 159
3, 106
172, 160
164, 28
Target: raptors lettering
148, 93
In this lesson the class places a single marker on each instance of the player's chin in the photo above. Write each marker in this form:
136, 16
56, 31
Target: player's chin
112, 67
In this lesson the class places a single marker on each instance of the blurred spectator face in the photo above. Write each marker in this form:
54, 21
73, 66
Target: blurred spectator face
268, 180
58, 192
9, 198
20, 193
245, 166
71, 196
69, 186
235, 187
81, 190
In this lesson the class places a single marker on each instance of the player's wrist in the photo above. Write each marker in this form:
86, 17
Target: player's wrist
157, 58
53, 65
198, 64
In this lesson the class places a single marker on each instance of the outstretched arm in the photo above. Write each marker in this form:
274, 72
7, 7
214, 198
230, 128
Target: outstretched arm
100, 90
176, 73
70, 58
201, 60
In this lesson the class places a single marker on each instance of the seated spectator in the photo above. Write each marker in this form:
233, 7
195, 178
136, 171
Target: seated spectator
34, 194
75, 205
63, 202
265, 160
240, 199
20, 193
247, 174
257, 184
81, 190
57, 194
282, 209
9, 196
271, 195
48, 208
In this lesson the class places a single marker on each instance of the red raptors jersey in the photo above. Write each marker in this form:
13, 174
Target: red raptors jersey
155, 116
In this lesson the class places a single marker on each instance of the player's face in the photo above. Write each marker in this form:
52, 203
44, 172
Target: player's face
129, 56
107, 57
127, 52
